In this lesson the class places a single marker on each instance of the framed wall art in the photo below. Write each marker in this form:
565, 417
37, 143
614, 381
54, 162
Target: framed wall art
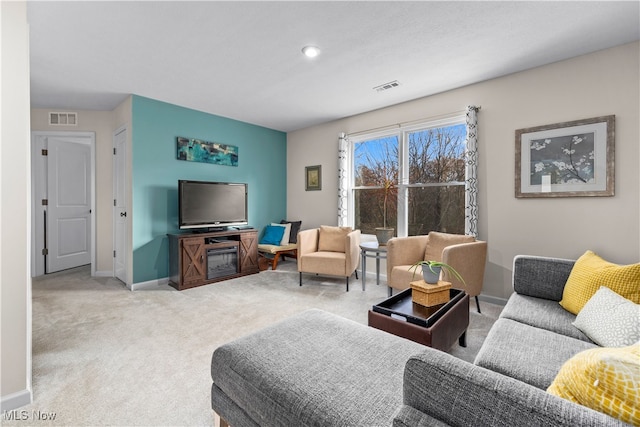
570, 159
313, 178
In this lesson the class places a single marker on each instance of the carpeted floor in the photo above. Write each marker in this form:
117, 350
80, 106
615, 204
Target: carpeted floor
103, 355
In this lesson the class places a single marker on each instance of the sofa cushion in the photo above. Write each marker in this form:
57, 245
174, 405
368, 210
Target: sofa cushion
590, 272
314, 368
333, 239
609, 319
437, 241
526, 353
542, 313
604, 379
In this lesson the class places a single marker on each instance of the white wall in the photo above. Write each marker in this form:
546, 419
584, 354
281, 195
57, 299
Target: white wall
598, 84
15, 183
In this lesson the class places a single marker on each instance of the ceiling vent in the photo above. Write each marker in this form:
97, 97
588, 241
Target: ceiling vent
63, 119
387, 86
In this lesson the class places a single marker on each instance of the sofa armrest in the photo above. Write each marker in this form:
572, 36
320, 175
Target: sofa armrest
541, 277
459, 393
308, 241
405, 251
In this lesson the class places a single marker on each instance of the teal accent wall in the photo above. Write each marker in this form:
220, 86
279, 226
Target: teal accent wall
262, 158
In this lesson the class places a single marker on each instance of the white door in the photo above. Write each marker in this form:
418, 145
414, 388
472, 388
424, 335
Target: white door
120, 216
69, 188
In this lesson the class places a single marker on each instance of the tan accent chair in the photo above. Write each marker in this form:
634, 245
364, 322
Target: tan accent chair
331, 251
464, 253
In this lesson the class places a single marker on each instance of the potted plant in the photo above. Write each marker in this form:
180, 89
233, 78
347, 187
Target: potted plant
431, 271
384, 233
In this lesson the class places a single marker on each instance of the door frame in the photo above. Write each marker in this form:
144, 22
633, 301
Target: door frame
115, 178
39, 179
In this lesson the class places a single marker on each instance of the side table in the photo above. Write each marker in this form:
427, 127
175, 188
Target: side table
372, 250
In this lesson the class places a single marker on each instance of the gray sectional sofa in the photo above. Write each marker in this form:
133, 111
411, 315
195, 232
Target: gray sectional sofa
317, 369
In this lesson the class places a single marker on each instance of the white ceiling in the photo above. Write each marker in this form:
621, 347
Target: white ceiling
243, 60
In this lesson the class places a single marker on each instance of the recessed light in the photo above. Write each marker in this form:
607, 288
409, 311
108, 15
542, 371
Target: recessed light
311, 51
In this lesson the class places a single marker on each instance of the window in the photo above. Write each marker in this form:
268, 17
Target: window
411, 178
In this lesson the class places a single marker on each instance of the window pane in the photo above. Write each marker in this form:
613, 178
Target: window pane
368, 205
437, 155
376, 162
437, 208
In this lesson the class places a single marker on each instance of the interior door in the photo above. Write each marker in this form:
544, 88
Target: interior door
69, 203
120, 216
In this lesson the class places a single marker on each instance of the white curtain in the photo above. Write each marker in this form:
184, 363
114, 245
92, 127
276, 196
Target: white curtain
471, 182
343, 180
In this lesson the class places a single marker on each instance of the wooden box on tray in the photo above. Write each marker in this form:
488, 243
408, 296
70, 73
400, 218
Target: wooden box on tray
429, 295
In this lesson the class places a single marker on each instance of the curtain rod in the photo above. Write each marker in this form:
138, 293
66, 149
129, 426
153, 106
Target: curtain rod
413, 122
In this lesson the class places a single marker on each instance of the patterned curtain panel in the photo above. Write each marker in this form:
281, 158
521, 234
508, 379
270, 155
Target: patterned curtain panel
343, 174
471, 183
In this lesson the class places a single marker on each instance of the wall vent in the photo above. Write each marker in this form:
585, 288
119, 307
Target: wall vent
63, 119
387, 86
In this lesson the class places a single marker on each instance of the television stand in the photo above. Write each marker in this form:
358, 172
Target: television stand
189, 255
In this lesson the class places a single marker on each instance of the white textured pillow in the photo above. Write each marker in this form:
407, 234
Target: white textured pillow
609, 319
285, 236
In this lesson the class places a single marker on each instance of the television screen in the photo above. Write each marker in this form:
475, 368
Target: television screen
204, 204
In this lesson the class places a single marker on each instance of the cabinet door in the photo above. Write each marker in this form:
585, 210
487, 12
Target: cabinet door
193, 262
249, 252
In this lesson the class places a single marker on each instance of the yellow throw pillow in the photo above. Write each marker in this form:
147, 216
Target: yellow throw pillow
604, 379
590, 272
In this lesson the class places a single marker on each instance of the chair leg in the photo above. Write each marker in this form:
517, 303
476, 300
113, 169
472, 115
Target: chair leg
356, 274
274, 261
478, 304
347, 283
301, 278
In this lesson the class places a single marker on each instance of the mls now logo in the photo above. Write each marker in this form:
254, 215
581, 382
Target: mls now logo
15, 415
23, 415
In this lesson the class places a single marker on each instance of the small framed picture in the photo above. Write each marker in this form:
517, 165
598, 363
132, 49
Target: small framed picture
313, 178
570, 159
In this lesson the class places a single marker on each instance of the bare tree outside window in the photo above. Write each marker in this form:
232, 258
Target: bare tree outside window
434, 196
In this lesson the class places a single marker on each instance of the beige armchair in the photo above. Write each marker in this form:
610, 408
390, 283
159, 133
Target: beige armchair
331, 251
464, 253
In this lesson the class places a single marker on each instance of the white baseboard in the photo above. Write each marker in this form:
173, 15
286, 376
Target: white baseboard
15, 400
492, 300
106, 273
151, 284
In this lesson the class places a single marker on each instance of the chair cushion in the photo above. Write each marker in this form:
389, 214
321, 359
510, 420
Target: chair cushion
272, 249
332, 239
609, 319
285, 235
330, 263
604, 379
590, 272
272, 235
438, 241
295, 229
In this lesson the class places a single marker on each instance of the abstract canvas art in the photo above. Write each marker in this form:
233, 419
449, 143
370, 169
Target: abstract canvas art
195, 150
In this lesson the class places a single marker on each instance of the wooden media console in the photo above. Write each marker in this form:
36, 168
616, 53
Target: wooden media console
197, 259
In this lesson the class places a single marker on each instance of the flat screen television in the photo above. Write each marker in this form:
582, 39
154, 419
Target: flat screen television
211, 205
